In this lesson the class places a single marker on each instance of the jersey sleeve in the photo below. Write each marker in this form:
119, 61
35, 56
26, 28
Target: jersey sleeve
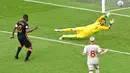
85, 49
16, 26
104, 27
99, 49
27, 27
100, 18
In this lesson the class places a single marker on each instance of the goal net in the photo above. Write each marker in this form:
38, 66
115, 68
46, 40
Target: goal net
115, 5
109, 5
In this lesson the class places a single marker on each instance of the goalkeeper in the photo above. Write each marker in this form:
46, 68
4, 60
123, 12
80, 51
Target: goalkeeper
86, 31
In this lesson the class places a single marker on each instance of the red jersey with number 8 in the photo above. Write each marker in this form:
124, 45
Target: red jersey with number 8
93, 51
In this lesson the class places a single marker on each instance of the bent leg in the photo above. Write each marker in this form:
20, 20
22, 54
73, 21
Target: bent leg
91, 71
66, 30
91, 68
28, 45
68, 36
72, 36
28, 54
20, 39
97, 68
81, 36
18, 51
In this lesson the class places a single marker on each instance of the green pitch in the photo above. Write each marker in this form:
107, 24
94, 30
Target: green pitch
54, 57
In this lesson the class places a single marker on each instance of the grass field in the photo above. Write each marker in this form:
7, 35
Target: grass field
52, 56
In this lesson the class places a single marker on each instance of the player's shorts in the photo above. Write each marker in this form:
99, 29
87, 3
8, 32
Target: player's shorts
81, 35
24, 41
79, 29
83, 32
93, 66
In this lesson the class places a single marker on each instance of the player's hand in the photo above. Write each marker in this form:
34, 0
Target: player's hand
11, 37
36, 27
111, 21
106, 50
107, 14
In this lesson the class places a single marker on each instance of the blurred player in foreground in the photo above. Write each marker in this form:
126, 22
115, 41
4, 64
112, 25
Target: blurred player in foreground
22, 30
86, 31
93, 51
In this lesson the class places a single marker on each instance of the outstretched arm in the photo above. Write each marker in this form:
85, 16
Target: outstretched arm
13, 32
30, 30
105, 27
108, 27
102, 17
103, 52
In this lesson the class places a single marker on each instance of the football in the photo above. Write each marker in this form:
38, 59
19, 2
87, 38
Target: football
120, 3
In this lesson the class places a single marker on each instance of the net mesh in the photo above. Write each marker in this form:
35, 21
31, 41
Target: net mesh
110, 5
116, 4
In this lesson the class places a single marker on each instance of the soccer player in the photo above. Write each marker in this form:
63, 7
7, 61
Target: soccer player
93, 50
22, 30
86, 31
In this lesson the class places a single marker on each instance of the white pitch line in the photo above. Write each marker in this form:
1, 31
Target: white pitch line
78, 8
120, 15
119, 9
63, 42
34, 1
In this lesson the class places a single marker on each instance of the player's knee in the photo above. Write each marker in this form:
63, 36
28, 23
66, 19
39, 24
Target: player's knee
74, 29
91, 71
80, 36
30, 49
20, 46
97, 68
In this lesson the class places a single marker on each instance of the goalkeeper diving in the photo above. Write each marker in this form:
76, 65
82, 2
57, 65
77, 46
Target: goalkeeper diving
86, 31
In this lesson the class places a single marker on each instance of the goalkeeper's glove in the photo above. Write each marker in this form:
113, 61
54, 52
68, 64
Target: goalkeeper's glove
107, 14
111, 22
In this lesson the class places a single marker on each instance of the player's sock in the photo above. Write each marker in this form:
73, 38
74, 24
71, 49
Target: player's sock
28, 54
69, 36
18, 51
57, 30
68, 29
97, 70
90, 71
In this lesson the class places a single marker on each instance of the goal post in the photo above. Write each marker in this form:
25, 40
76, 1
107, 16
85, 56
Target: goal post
103, 6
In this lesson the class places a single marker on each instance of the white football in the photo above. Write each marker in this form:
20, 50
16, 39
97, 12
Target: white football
120, 3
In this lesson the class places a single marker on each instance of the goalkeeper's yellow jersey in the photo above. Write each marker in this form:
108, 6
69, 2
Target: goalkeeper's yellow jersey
95, 27
100, 28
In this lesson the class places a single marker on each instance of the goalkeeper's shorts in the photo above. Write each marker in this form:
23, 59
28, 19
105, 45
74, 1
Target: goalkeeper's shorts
80, 30
82, 35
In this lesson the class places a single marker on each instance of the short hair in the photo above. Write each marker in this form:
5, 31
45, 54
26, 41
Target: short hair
104, 19
25, 16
